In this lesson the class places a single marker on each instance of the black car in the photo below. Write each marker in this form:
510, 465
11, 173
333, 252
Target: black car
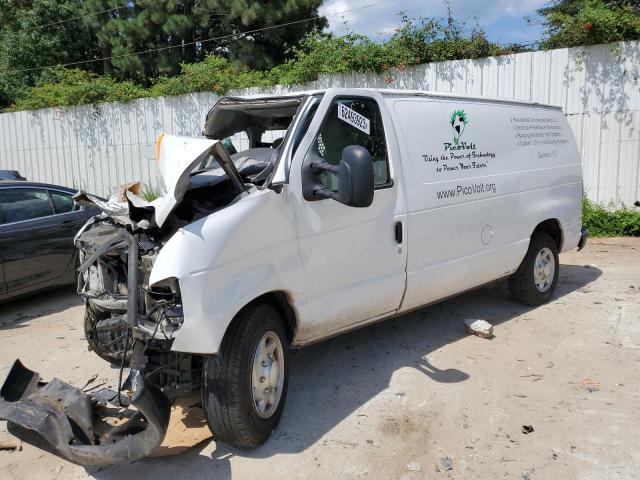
37, 224
11, 175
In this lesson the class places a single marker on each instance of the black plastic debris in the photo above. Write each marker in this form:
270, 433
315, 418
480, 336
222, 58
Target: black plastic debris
527, 429
75, 423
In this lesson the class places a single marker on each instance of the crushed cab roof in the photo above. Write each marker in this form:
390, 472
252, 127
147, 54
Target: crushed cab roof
231, 114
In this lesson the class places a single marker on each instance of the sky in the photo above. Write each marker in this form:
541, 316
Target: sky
502, 19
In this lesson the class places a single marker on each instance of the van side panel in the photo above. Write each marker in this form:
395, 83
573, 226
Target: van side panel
480, 176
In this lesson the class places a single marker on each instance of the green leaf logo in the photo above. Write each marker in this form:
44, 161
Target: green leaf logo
459, 124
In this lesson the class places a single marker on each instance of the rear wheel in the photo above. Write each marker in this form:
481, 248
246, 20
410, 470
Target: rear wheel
535, 280
245, 385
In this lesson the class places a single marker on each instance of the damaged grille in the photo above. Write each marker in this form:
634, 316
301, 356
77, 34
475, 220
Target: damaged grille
104, 283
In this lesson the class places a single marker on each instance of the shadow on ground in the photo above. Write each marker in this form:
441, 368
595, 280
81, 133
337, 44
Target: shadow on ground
330, 380
15, 312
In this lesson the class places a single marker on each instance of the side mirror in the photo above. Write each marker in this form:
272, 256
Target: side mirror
355, 177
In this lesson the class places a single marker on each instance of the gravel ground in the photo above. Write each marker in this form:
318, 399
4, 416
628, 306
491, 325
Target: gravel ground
413, 397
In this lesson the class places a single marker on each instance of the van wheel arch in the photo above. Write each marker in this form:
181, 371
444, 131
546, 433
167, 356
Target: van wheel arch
552, 228
281, 301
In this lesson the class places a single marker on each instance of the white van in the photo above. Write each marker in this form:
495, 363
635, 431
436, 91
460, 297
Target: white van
296, 218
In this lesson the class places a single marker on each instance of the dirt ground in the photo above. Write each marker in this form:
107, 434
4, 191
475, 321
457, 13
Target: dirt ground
396, 399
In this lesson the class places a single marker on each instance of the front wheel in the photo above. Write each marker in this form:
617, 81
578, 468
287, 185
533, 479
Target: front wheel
245, 385
537, 276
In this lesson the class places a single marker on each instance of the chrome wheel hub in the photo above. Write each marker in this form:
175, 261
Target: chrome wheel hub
544, 270
267, 375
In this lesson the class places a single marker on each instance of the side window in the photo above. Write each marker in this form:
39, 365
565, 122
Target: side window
62, 202
360, 123
19, 204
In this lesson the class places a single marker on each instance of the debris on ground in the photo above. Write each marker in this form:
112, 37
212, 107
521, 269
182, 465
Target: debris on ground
9, 443
90, 381
535, 376
591, 385
10, 446
481, 328
527, 429
414, 467
187, 427
446, 464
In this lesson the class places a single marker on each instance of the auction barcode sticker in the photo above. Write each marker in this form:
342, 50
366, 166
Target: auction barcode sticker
353, 118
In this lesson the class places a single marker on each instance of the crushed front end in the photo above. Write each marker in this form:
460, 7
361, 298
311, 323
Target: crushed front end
128, 324
127, 321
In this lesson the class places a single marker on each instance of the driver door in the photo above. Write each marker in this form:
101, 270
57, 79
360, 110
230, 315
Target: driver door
353, 259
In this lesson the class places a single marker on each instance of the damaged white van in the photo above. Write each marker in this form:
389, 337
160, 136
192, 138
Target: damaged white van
293, 219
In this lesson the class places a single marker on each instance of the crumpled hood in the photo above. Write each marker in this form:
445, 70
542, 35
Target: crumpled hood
176, 156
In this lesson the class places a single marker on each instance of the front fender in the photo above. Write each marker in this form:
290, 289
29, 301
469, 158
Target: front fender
227, 259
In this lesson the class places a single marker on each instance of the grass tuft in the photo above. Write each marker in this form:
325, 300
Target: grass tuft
150, 193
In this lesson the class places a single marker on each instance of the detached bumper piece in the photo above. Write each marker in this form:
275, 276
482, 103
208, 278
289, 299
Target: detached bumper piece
75, 423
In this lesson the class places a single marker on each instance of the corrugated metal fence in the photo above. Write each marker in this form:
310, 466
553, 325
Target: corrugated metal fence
98, 147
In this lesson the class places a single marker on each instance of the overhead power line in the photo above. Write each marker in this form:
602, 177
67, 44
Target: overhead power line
128, 5
206, 40
60, 22
91, 14
530, 44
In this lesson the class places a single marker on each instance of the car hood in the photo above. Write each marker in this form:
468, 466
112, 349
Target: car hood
176, 157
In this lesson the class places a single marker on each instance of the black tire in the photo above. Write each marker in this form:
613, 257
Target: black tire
227, 380
522, 283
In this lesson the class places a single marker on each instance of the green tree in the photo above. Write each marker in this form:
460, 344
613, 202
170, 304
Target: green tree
124, 29
65, 87
263, 49
414, 42
571, 23
34, 33
180, 31
105, 36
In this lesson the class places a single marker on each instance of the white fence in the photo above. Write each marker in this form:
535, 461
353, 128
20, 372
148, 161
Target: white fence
98, 147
